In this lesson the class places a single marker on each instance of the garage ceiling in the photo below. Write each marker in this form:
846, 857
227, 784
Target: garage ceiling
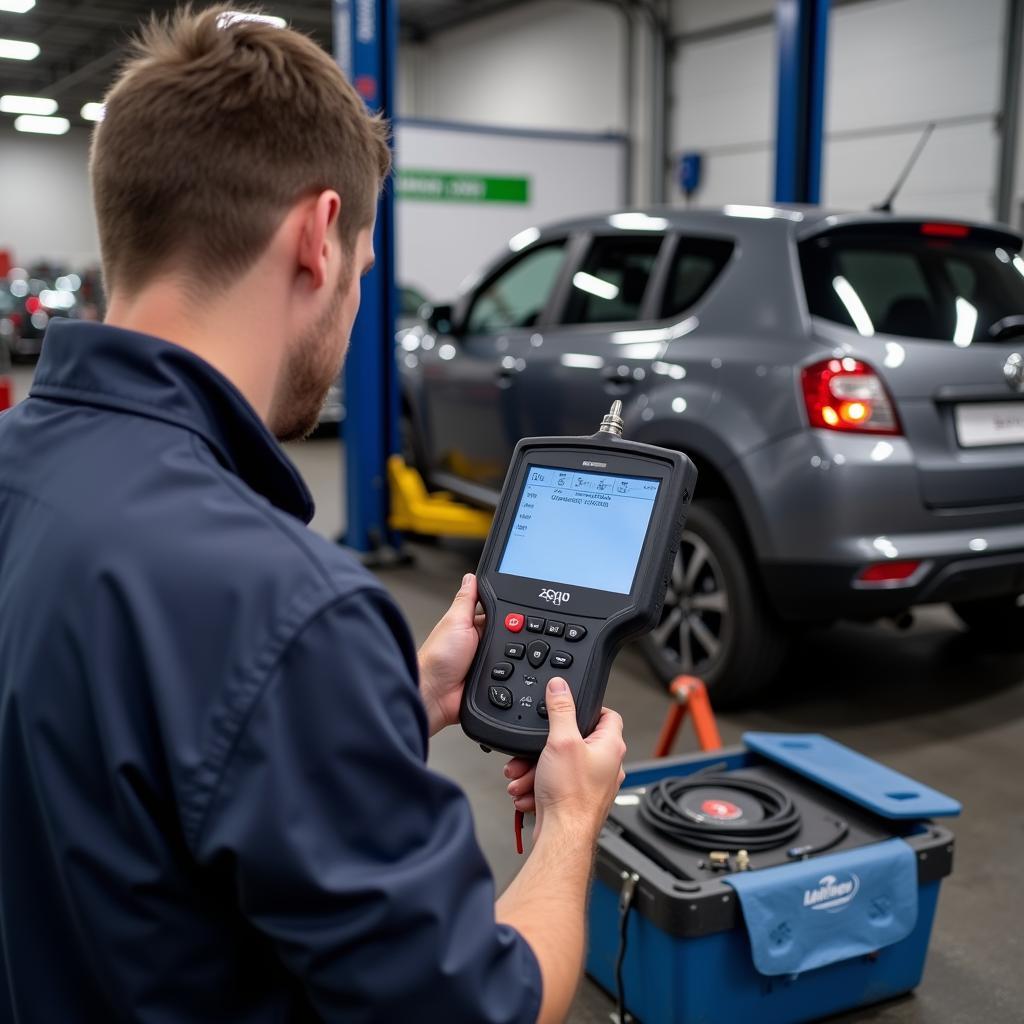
82, 41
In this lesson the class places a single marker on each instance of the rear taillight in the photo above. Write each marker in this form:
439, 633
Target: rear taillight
6, 393
846, 394
888, 572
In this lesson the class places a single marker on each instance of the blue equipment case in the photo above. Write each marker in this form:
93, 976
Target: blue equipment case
690, 944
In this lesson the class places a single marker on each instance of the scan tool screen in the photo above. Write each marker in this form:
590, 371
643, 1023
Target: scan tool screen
578, 528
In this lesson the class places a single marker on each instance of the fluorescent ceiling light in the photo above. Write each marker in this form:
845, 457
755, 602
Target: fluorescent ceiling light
637, 222
16, 49
523, 239
17, 6
231, 17
42, 125
92, 111
27, 105
966, 321
595, 286
851, 300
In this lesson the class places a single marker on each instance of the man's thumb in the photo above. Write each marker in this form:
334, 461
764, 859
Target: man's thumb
561, 709
463, 608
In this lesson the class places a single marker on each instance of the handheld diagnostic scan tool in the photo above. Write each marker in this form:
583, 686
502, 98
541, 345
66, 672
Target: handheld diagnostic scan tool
577, 562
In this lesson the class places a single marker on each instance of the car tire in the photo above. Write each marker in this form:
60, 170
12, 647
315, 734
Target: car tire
997, 620
716, 623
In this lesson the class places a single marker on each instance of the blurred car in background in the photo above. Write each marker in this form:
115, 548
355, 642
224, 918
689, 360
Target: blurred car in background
850, 386
6, 383
28, 302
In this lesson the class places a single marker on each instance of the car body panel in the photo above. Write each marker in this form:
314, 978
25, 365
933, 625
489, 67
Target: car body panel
722, 382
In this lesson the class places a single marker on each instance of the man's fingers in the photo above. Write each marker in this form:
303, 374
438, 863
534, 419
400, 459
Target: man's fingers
518, 767
521, 786
610, 723
561, 710
527, 804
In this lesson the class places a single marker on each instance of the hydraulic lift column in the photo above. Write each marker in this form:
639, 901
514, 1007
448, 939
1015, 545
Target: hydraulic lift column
803, 38
365, 37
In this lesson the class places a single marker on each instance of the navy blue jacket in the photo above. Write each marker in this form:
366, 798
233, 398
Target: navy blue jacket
214, 803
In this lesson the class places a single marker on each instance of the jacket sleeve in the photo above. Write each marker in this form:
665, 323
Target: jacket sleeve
359, 863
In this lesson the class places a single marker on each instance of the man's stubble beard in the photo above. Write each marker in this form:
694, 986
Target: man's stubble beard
311, 367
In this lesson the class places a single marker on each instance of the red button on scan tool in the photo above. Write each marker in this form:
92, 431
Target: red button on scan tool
514, 622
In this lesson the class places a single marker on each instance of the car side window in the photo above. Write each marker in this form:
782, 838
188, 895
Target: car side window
610, 285
518, 295
695, 265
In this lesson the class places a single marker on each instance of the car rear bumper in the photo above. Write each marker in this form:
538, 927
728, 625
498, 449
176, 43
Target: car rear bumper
815, 592
835, 504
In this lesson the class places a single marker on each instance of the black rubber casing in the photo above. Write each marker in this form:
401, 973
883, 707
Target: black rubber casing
610, 619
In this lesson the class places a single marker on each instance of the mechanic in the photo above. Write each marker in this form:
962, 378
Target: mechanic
214, 802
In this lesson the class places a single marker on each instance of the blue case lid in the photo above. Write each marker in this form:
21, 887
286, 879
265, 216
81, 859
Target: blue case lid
858, 778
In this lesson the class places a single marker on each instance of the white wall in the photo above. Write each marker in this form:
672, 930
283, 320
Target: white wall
724, 107
893, 66
45, 202
442, 243
549, 64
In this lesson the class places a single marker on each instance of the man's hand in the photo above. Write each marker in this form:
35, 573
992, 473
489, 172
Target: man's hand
572, 788
446, 655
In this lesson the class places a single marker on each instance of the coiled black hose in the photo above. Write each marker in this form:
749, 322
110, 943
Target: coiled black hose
660, 808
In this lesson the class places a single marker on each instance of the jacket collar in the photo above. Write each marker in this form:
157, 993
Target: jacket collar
107, 367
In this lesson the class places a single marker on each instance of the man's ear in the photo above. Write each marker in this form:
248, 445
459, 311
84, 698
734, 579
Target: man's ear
317, 236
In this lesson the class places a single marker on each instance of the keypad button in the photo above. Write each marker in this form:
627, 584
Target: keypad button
535, 624
530, 680
514, 621
515, 651
537, 652
503, 670
561, 659
574, 633
542, 709
500, 697
554, 628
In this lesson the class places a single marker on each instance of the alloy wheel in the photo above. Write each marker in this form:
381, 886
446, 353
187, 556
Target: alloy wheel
695, 619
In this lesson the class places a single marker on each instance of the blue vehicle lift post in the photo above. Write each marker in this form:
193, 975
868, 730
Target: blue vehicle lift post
803, 38
365, 40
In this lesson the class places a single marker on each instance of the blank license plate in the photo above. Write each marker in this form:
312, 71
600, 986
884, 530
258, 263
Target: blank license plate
987, 423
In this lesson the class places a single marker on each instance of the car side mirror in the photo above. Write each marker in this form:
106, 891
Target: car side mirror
439, 320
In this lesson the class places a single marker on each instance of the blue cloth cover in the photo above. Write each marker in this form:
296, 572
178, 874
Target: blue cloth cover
816, 912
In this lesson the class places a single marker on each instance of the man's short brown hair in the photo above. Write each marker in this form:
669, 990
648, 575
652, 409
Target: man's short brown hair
214, 128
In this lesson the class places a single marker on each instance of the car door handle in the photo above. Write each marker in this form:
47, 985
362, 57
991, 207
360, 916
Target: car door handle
618, 379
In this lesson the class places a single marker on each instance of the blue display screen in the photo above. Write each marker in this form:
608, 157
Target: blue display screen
578, 528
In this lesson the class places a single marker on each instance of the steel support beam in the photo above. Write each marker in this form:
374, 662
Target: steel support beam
803, 37
1009, 114
365, 38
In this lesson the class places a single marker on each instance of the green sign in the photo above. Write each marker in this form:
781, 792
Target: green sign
452, 187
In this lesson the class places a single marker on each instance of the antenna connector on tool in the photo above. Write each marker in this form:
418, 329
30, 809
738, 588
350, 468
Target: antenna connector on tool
612, 423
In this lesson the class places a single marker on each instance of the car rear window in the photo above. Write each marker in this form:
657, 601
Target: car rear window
916, 285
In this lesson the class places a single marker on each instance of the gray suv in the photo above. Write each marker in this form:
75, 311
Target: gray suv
851, 387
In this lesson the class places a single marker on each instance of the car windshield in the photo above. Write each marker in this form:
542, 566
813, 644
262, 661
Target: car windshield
916, 285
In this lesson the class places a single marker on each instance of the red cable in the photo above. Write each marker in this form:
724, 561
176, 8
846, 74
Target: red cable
519, 831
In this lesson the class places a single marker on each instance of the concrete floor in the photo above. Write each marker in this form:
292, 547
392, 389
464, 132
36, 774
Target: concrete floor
928, 702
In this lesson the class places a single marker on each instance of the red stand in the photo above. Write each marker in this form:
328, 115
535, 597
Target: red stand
690, 696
